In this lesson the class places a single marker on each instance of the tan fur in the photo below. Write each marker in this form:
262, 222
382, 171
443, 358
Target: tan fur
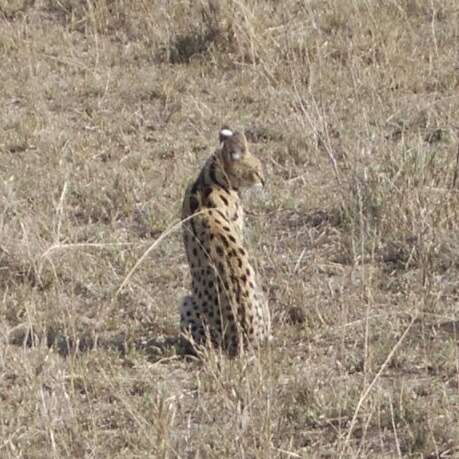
226, 303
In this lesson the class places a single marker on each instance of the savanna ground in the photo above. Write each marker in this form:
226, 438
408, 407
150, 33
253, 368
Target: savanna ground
110, 107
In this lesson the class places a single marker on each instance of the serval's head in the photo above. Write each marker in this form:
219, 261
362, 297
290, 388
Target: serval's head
240, 167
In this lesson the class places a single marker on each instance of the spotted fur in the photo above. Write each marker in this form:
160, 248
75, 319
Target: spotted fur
226, 304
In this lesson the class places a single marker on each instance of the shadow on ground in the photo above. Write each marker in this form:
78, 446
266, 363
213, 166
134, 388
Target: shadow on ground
155, 348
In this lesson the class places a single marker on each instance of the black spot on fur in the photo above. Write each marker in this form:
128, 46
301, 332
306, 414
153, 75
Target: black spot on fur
239, 262
212, 170
213, 176
220, 251
244, 278
231, 238
193, 228
194, 204
227, 229
238, 296
195, 186
225, 201
224, 240
222, 215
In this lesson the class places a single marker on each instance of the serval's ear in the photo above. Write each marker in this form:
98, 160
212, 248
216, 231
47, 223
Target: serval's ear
234, 147
224, 134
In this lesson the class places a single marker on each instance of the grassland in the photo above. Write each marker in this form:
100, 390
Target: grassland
110, 107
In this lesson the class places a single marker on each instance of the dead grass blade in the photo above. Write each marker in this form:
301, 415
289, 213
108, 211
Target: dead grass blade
372, 384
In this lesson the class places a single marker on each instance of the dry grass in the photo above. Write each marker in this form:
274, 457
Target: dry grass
109, 107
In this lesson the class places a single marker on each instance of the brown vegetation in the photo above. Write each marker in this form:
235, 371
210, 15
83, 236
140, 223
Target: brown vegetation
109, 107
